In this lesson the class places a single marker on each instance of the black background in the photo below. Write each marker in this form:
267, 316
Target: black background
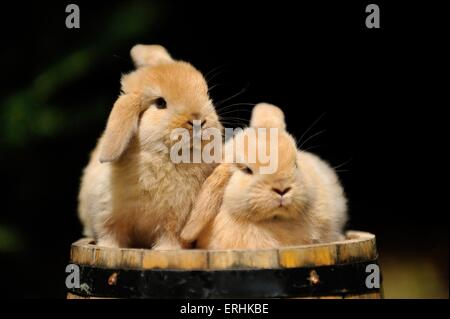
373, 91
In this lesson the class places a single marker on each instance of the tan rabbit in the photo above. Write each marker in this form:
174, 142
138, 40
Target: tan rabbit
132, 194
302, 202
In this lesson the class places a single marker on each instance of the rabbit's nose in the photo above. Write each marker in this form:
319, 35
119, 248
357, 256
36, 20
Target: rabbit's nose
281, 192
191, 123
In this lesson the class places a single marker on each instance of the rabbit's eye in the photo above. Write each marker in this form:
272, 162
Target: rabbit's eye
160, 103
247, 170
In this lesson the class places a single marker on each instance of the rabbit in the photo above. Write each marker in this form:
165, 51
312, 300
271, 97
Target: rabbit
301, 202
132, 194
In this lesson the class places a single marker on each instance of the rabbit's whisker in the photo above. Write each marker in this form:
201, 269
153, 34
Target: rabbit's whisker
235, 111
311, 126
342, 164
215, 71
234, 95
222, 108
312, 136
310, 148
214, 86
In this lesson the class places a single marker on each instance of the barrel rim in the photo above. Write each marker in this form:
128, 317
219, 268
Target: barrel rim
361, 237
358, 247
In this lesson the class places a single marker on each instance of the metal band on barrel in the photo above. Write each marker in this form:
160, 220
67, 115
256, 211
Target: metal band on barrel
231, 283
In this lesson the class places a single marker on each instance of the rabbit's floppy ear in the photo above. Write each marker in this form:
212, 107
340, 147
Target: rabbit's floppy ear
267, 116
149, 55
122, 125
208, 203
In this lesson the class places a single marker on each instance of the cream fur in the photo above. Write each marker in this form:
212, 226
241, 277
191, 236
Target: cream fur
267, 115
248, 214
137, 197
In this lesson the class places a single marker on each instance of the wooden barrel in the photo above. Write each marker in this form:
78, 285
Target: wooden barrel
344, 269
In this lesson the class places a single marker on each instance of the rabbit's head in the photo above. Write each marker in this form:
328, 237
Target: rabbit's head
257, 194
161, 95
243, 187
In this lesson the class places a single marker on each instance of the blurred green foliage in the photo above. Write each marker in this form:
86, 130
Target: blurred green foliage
10, 239
29, 113
54, 104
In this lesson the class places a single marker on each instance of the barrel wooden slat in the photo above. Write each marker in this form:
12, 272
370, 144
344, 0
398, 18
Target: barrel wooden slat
291, 257
107, 257
74, 296
82, 252
232, 259
357, 248
320, 297
175, 259
131, 258
373, 295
